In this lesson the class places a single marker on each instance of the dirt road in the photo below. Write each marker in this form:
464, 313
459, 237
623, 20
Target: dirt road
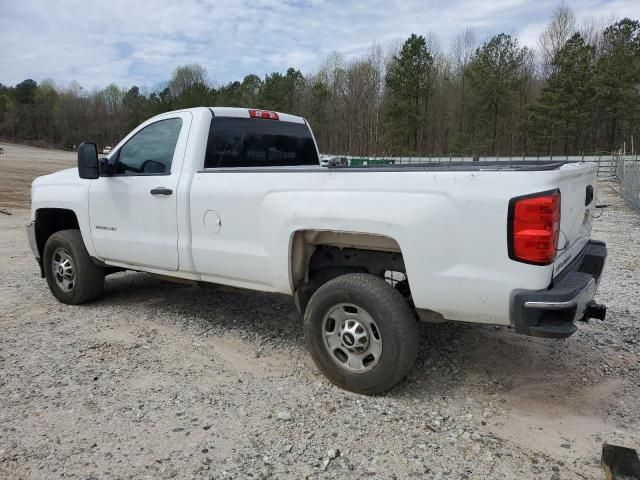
159, 380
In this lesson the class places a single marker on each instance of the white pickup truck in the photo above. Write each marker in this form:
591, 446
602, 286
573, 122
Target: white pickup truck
238, 197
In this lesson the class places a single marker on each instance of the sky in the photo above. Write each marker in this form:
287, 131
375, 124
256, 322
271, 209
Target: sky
129, 42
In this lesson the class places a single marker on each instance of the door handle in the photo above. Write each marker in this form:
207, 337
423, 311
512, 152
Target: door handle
161, 191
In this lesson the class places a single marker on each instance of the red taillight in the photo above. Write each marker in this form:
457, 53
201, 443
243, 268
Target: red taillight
534, 228
263, 114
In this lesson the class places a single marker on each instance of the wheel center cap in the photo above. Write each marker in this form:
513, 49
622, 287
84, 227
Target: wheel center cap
348, 339
354, 335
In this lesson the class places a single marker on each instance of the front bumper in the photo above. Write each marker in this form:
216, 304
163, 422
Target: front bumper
552, 312
31, 236
33, 244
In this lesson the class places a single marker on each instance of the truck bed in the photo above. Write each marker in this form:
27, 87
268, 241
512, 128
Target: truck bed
490, 166
495, 165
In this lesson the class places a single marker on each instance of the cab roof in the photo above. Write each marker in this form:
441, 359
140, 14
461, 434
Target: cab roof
254, 113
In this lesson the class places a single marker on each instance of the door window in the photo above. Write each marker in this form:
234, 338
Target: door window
150, 151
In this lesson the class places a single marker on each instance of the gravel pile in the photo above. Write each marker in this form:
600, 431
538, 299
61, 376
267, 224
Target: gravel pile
162, 380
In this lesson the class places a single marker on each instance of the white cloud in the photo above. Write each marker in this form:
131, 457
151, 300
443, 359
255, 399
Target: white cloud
127, 42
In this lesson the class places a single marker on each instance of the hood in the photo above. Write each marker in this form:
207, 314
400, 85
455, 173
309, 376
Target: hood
69, 175
63, 189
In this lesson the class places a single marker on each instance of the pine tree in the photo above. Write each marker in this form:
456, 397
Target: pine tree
618, 75
560, 120
278, 91
495, 76
408, 82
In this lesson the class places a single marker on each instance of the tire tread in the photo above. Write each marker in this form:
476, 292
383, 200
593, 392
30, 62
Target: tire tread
390, 301
89, 283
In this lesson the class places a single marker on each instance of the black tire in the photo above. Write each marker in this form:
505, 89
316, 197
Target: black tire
88, 278
393, 319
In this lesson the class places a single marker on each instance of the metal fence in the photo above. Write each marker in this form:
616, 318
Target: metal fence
607, 163
628, 173
619, 167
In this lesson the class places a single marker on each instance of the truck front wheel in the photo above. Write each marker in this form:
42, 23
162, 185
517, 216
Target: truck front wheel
361, 333
72, 276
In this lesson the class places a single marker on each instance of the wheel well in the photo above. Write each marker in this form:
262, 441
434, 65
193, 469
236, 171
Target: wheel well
319, 256
52, 220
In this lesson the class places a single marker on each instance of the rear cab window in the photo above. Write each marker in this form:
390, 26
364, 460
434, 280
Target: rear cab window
257, 142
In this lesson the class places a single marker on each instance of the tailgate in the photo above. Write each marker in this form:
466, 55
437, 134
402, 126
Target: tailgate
577, 184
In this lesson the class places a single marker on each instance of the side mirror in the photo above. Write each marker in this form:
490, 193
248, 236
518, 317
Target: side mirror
88, 161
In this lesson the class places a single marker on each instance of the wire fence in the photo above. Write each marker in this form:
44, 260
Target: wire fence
628, 173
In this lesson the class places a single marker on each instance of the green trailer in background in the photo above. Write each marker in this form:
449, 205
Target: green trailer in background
356, 162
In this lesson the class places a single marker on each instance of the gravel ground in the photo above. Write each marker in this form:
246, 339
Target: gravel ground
20, 164
162, 380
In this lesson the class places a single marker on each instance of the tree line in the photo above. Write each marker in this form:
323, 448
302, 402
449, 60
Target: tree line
578, 92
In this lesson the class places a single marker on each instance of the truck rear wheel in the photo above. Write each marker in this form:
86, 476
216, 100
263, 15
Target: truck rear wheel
361, 333
72, 276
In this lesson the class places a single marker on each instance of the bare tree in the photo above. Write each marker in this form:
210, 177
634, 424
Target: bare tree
592, 28
555, 35
364, 82
464, 46
186, 77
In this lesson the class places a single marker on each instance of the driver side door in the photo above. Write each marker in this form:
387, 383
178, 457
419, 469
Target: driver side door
132, 212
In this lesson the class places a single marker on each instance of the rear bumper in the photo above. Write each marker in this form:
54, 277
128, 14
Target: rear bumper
552, 313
